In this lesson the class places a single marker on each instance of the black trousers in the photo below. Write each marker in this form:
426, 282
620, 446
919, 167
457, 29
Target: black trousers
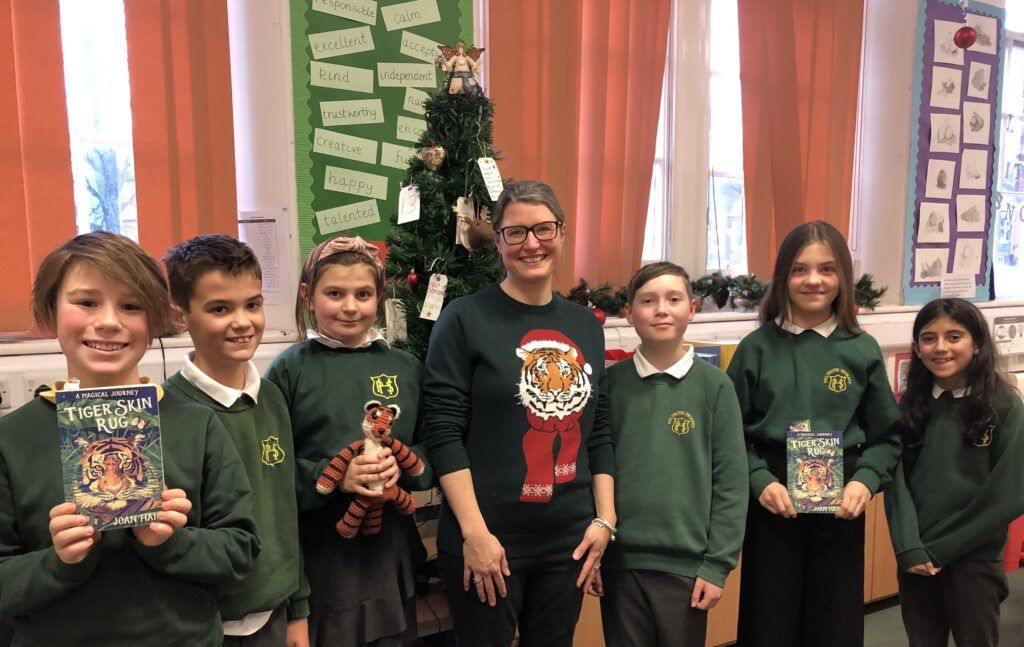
963, 598
802, 581
543, 601
650, 609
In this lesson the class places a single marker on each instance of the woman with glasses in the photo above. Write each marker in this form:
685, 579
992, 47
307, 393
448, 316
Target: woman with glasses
515, 416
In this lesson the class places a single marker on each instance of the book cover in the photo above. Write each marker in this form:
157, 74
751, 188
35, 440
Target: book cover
814, 469
111, 454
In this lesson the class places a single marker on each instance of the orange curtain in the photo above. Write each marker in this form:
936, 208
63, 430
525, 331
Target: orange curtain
800, 75
179, 69
35, 151
577, 87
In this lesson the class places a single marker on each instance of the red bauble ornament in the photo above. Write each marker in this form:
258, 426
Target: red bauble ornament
601, 316
412, 281
965, 37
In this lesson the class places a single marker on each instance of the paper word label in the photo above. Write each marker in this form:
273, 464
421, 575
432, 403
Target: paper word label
408, 205
435, 297
492, 177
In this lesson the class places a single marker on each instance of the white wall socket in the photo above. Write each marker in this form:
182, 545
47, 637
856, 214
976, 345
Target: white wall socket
5, 394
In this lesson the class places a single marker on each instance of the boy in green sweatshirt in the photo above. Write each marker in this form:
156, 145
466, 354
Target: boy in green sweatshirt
61, 581
681, 488
216, 287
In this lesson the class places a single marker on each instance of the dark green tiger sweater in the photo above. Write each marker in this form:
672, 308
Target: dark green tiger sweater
518, 394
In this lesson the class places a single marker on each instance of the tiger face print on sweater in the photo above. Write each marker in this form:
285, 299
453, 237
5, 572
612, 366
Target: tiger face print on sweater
554, 388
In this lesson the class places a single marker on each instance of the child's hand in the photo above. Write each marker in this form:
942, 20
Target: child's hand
924, 569
361, 471
389, 470
775, 499
72, 537
172, 517
596, 586
705, 595
297, 634
855, 496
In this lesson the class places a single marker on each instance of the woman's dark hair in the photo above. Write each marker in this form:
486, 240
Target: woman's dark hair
776, 302
530, 192
975, 408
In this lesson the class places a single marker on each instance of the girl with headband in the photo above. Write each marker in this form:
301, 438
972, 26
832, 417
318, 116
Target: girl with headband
361, 588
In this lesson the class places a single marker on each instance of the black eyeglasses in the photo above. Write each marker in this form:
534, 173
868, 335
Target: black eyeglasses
516, 234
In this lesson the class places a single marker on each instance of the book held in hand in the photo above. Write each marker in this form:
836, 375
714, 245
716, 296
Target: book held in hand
111, 454
814, 468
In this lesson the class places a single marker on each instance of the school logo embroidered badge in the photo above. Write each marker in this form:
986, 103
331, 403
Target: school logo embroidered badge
682, 422
837, 379
384, 386
273, 454
986, 438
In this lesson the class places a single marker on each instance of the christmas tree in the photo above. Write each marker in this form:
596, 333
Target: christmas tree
458, 134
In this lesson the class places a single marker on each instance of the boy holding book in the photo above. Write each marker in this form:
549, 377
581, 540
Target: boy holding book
681, 483
61, 581
216, 287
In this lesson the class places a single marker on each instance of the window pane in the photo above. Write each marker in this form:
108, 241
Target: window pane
1009, 224
725, 38
99, 115
727, 234
1015, 16
727, 246
1009, 247
656, 229
726, 154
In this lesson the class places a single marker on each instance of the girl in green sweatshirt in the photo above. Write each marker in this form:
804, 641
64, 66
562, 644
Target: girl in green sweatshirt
802, 580
361, 589
960, 482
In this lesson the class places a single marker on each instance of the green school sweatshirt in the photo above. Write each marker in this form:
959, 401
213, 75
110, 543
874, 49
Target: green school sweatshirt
837, 382
325, 390
953, 501
262, 434
123, 593
681, 466
502, 377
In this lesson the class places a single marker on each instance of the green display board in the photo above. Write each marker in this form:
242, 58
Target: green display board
361, 70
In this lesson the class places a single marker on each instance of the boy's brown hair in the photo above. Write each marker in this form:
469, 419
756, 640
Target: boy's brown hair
189, 261
653, 271
116, 257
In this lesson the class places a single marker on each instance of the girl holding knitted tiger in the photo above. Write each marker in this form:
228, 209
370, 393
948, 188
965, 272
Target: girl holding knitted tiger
341, 375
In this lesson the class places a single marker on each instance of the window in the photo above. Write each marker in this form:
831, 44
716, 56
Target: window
659, 206
99, 115
1008, 246
727, 245
722, 175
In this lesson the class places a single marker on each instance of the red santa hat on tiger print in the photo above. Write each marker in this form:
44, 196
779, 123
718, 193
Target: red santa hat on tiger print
553, 339
554, 388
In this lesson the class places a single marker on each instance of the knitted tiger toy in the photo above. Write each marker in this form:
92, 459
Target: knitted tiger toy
364, 513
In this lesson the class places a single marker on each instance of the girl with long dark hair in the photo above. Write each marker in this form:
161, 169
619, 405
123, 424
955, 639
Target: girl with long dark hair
802, 581
960, 482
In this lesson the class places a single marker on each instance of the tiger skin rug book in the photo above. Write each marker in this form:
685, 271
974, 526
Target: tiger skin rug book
111, 454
